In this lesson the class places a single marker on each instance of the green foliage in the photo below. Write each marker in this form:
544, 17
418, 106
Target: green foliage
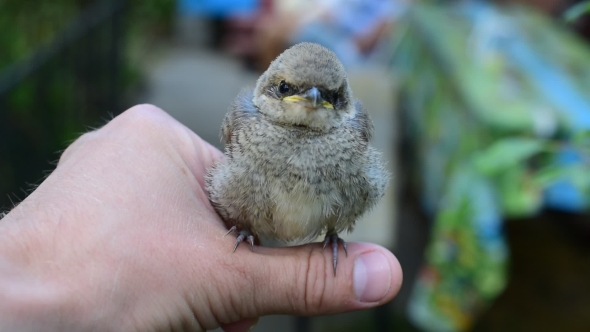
487, 143
506, 153
26, 25
577, 11
71, 92
152, 16
520, 196
582, 140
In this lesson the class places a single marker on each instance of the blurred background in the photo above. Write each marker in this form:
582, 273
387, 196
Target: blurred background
482, 110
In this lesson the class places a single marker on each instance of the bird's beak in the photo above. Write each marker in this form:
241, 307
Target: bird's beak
311, 98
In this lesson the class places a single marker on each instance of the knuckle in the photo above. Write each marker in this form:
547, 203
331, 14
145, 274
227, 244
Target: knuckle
143, 110
84, 139
143, 116
141, 120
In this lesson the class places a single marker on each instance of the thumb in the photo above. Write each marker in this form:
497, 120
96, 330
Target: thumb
301, 281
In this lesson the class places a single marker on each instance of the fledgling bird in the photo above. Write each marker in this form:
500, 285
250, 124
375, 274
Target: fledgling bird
298, 161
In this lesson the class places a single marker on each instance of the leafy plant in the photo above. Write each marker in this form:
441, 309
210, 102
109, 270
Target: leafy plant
72, 87
576, 11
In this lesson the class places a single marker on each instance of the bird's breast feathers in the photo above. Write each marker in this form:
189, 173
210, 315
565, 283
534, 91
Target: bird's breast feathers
297, 216
310, 178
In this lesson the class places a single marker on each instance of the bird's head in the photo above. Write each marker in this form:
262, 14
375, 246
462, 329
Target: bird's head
306, 86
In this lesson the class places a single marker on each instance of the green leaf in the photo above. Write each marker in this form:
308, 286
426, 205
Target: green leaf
519, 195
576, 174
506, 153
576, 11
581, 138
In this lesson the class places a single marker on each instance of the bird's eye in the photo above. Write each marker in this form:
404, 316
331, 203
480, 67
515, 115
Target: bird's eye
334, 98
284, 87
331, 97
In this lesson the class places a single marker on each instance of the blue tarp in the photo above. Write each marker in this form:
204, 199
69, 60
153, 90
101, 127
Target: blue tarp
220, 8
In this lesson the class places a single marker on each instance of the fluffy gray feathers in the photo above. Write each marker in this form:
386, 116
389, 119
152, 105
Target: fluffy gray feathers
291, 174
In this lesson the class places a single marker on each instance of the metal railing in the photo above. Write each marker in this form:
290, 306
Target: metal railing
57, 92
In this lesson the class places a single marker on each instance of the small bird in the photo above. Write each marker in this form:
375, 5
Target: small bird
297, 157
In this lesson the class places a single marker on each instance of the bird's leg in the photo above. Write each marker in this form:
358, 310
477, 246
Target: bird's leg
243, 234
335, 239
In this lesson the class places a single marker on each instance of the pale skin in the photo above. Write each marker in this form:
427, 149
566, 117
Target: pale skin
121, 237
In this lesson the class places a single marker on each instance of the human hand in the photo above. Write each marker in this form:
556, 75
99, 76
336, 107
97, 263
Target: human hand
121, 237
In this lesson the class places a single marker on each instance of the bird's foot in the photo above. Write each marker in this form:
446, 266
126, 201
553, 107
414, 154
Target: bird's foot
243, 234
335, 239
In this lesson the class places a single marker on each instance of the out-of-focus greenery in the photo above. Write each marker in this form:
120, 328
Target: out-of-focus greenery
577, 11
487, 140
71, 90
152, 17
28, 25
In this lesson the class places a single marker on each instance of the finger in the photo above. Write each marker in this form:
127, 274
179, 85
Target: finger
301, 281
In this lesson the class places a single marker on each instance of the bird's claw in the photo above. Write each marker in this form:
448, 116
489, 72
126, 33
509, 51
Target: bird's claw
242, 235
335, 239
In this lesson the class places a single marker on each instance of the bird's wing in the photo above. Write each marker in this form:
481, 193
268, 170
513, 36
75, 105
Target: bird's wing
362, 122
242, 108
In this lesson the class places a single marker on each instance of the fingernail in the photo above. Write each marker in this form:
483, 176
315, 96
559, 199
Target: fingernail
372, 277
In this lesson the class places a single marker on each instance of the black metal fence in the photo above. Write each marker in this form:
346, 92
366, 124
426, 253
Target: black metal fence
58, 92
